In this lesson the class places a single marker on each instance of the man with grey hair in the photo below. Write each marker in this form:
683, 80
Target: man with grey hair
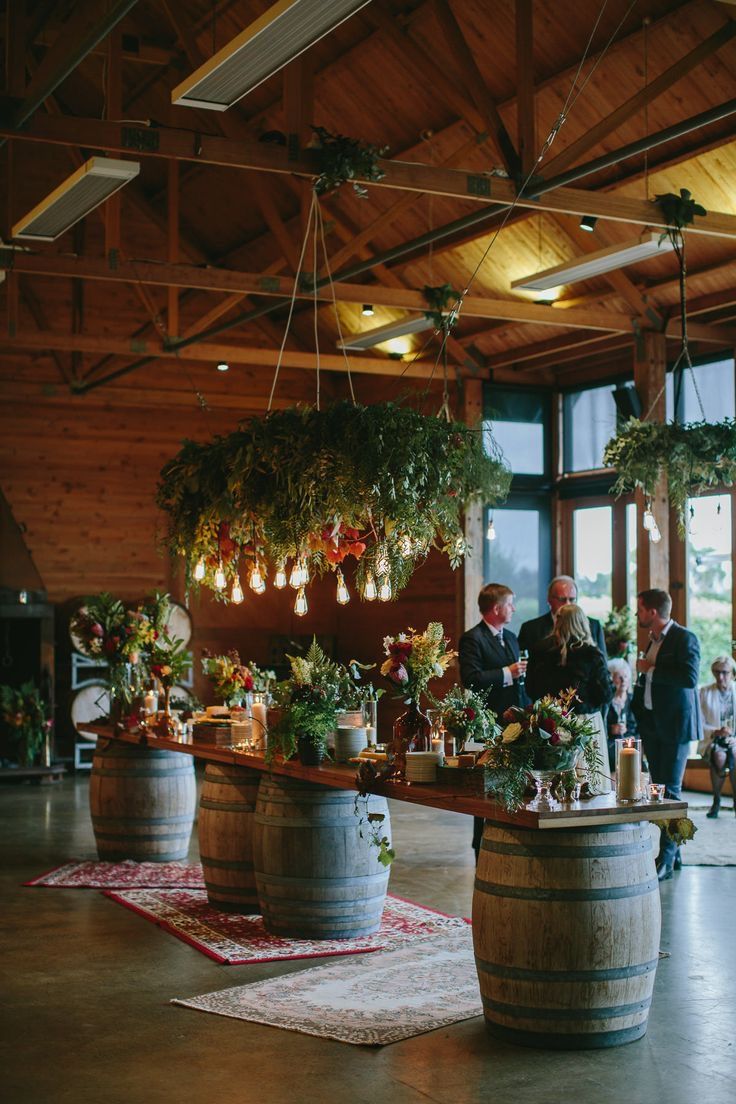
562, 591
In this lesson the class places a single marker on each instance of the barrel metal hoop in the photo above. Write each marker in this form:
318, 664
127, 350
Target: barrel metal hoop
225, 864
134, 837
225, 806
555, 851
592, 1040
531, 893
524, 1012
126, 772
522, 974
305, 822
594, 828
148, 821
379, 879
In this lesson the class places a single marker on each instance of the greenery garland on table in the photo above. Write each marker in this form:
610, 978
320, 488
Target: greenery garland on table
346, 159
694, 457
380, 484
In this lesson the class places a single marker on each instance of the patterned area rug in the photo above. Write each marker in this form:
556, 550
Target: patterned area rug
397, 994
234, 939
122, 875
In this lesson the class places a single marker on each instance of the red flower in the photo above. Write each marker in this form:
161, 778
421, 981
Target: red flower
156, 669
400, 650
469, 713
548, 725
554, 738
248, 682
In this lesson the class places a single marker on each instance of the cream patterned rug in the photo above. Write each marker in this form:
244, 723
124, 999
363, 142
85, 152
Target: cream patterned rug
371, 1001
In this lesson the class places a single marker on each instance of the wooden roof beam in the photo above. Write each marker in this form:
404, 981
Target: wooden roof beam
526, 123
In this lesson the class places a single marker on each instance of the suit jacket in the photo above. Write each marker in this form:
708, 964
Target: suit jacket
586, 670
482, 660
532, 631
675, 712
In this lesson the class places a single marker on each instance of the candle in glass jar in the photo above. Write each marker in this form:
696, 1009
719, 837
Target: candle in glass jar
150, 703
259, 711
629, 768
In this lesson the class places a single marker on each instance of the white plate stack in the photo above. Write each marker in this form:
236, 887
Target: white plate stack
421, 766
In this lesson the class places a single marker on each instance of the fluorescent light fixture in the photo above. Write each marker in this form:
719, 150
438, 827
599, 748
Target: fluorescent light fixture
93, 182
595, 264
281, 34
415, 323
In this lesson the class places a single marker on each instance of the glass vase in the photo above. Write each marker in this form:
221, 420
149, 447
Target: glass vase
121, 691
412, 732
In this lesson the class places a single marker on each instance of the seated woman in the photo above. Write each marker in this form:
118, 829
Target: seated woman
718, 746
568, 657
620, 720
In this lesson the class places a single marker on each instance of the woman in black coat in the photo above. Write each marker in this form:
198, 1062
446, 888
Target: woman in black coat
569, 658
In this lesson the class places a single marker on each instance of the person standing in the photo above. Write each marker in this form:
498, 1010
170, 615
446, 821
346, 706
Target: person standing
718, 746
666, 703
562, 591
489, 660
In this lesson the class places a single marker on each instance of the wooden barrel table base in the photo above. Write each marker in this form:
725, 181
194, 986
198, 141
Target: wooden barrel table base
566, 934
318, 877
226, 809
142, 801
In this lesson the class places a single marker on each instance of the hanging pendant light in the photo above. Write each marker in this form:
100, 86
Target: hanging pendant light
220, 579
199, 571
236, 594
369, 590
279, 579
648, 520
255, 582
655, 535
295, 578
343, 594
384, 591
300, 605
491, 530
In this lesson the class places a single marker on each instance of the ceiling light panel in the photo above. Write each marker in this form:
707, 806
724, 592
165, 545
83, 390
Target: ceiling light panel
366, 340
281, 34
93, 182
596, 264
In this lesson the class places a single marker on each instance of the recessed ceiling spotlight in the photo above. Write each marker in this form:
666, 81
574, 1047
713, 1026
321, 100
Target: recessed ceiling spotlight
223, 366
588, 222
367, 310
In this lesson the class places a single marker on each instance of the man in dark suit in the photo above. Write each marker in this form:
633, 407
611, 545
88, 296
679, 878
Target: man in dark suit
562, 591
489, 660
666, 703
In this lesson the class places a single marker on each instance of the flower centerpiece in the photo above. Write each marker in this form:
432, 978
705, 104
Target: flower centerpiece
170, 661
543, 739
465, 714
414, 659
308, 701
25, 719
232, 679
263, 678
619, 631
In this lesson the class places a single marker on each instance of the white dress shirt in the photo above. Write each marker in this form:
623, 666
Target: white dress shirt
655, 643
508, 678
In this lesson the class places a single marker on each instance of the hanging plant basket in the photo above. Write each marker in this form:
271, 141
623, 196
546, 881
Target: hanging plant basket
304, 491
694, 458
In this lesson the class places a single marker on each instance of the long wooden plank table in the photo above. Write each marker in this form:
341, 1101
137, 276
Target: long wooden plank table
566, 922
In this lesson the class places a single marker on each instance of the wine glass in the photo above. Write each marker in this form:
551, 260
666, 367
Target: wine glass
523, 658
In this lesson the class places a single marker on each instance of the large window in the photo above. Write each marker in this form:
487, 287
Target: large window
589, 422
518, 423
716, 386
520, 554
709, 576
592, 537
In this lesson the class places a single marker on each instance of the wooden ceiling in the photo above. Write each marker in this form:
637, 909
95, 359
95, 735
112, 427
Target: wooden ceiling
463, 94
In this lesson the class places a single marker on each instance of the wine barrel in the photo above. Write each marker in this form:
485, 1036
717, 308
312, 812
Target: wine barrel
566, 930
225, 826
142, 802
317, 877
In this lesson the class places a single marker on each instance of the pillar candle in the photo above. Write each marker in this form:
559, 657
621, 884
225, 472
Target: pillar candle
150, 703
258, 713
629, 768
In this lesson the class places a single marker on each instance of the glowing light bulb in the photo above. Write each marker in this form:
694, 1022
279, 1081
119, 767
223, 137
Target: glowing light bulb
654, 534
255, 582
279, 579
343, 595
236, 594
304, 572
491, 530
369, 590
384, 591
648, 520
199, 571
220, 580
406, 548
295, 578
260, 589
300, 606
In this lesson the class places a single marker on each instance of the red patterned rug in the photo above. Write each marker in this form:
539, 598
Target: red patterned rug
235, 940
122, 875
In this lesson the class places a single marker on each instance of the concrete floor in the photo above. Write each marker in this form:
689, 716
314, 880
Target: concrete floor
86, 985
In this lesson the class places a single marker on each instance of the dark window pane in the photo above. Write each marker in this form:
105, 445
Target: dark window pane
517, 558
589, 423
522, 445
715, 381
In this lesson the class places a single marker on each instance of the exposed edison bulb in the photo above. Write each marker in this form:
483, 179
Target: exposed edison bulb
406, 548
220, 580
255, 581
236, 594
343, 594
300, 606
199, 571
369, 590
295, 578
384, 591
491, 530
279, 579
260, 589
304, 571
654, 534
648, 520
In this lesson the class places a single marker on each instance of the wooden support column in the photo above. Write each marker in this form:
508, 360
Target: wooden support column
526, 141
172, 319
471, 580
652, 560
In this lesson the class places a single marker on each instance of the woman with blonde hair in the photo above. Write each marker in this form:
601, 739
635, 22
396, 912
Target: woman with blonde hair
568, 657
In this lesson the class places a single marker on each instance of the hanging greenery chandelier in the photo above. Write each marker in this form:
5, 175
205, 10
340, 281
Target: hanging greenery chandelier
302, 491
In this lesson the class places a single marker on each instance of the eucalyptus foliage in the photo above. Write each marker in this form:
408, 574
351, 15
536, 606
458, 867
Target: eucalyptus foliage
694, 457
289, 485
346, 160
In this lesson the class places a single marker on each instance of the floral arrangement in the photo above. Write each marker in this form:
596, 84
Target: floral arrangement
232, 679
416, 658
26, 719
302, 491
170, 661
309, 703
465, 714
346, 159
619, 631
263, 677
546, 735
693, 457
103, 628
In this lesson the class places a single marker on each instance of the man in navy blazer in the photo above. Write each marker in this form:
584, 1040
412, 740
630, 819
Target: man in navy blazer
666, 703
561, 591
489, 660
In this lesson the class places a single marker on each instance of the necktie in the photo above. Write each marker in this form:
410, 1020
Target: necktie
508, 650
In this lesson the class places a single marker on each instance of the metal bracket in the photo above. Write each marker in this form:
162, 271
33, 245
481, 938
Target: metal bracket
140, 138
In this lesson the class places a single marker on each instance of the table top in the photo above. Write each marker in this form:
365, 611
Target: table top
577, 814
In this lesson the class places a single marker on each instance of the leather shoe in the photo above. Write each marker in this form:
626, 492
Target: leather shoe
677, 862
713, 811
664, 872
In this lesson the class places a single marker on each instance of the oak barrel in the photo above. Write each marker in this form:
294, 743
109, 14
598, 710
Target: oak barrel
225, 825
317, 874
566, 930
142, 802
